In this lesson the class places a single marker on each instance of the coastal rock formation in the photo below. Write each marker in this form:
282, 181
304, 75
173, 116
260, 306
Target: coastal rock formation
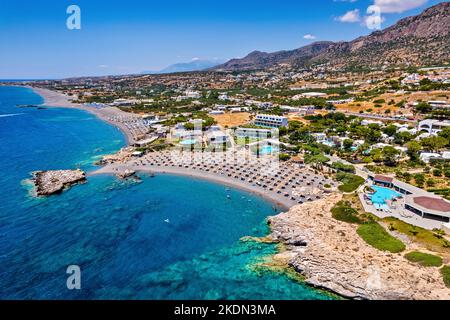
331, 255
125, 174
122, 156
51, 182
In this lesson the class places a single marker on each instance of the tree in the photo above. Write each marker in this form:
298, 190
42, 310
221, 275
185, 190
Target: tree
390, 130
434, 143
423, 107
376, 155
413, 150
390, 155
402, 137
420, 179
437, 172
348, 144
445, 133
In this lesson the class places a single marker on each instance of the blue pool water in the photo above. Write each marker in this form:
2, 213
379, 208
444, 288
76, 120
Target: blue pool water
267, 149
166, 237
382, 194
188, 142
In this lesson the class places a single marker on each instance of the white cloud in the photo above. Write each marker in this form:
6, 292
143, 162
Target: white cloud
398, 6
195, 59
373, 19
309, 37
350, 17
103, 66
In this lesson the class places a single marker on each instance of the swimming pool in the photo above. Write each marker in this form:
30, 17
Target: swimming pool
382, 195
188, 142
267, 149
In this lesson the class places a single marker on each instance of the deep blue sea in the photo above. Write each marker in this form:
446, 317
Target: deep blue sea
166, 237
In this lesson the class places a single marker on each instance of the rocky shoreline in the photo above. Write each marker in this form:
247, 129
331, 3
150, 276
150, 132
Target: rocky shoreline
51, 182
330, 255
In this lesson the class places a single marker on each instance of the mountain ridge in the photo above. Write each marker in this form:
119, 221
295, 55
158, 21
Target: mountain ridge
414, 40
195, 65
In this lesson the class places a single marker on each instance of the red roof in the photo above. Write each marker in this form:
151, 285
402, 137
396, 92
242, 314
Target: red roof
433, 203
383, 179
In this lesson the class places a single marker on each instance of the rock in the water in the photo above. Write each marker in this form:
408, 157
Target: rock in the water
125, 174
51, 182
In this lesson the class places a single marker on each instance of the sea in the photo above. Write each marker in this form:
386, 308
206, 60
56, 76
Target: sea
163, 237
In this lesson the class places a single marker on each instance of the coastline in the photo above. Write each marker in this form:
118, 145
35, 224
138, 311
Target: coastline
340, 264
59, 100
330, 255
55, 99
279, 202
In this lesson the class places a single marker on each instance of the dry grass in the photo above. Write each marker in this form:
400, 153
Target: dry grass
409, 98
232, 119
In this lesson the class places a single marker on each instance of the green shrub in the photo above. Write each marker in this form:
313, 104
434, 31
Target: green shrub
375, 235
343, 212
424, 259
447, 173
350, 182
445, 271
343, 167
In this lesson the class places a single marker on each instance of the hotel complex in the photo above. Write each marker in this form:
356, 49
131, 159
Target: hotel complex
272, 121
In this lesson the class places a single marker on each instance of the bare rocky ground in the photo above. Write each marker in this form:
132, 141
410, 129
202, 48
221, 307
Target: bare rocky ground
51, 182
331, 255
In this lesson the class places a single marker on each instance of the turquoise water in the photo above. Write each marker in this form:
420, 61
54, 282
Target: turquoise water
188, 142
267, 149
165, 237
382, 195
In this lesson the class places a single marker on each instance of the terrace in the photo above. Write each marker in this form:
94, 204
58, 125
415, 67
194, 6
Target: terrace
393, 198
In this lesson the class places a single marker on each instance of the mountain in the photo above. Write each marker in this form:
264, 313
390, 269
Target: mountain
262, 60
195, 65
419, 40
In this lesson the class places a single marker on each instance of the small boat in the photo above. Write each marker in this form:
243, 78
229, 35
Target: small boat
228, 196
167, 221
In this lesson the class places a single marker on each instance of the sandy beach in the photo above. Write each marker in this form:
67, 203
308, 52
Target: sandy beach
285, 184
59, 100
279, 201
56, 99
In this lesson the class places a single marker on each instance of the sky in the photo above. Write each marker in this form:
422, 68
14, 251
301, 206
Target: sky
124, 37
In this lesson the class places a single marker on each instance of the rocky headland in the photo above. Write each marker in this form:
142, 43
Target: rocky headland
52, 182
329, 254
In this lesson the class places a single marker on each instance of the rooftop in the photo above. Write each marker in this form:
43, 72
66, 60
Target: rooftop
383, 178
435, 204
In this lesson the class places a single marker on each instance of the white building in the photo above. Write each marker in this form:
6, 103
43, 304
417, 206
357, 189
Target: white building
442, 104
253, 133
433, 126
366, 122
217, 137
223, 97
192, 94
268, 120
427, 156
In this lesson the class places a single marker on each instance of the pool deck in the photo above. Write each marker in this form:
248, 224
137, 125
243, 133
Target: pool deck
401, 213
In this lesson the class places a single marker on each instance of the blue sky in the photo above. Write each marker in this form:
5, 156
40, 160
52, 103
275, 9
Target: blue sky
135, 35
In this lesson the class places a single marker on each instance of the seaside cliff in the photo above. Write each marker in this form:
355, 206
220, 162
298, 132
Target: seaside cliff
330, 255
51, 182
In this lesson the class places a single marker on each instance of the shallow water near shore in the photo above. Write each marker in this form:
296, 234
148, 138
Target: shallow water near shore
166, 237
